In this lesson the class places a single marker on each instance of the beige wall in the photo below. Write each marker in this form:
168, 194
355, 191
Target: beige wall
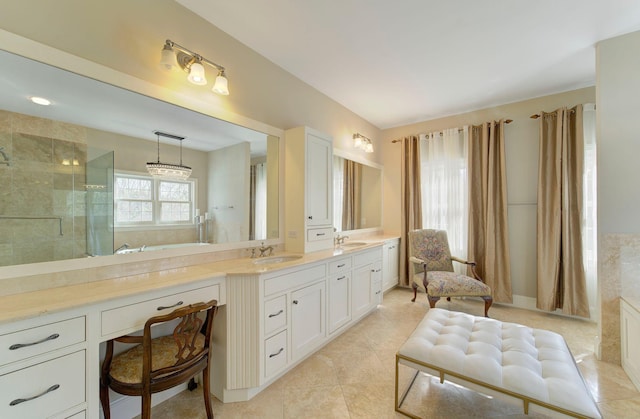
618, 103
522, 174
128, 36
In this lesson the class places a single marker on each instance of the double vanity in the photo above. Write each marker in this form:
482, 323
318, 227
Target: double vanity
274, 313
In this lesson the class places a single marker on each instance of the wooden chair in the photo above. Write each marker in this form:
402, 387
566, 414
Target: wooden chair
433, 270
160, 363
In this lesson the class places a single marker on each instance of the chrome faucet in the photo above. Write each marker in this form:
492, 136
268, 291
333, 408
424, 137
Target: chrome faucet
340, 239
120, 249
262, 249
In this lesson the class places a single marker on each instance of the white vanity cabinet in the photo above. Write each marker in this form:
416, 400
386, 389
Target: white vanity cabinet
307, 319
339, 311
367, 281
43, 367
308, 190
390, 263
630, 338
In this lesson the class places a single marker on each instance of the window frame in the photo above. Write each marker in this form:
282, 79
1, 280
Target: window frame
156, 203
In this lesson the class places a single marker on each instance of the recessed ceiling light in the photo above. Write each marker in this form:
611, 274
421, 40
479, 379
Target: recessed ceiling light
40, 100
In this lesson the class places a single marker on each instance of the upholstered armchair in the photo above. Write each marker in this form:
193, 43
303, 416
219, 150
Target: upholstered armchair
433, 270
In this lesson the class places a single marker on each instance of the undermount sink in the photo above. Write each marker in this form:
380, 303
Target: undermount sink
276, 259
353, 244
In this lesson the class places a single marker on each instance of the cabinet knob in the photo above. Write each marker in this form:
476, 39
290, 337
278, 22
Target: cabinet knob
310, 217
295, 301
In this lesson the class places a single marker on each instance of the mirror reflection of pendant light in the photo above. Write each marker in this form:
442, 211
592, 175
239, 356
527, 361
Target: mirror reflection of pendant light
193, 64
168, 170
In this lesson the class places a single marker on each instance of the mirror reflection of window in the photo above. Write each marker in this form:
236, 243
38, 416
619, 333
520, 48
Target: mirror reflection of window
258, 202
347, 186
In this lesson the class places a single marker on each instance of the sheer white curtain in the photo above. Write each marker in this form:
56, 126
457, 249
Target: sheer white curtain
261, 201
338, 191
444, 187
589, 230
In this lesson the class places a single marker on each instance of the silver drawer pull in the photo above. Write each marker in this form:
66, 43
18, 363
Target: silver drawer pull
49, 390
320, 234
276, 314
179, 303
277, 353
295, 301
22, 345
341, 278
341, 265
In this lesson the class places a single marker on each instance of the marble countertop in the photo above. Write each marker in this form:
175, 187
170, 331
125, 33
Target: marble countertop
50, 300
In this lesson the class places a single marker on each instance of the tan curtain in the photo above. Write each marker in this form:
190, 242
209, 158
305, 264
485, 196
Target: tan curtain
352, 201
488, 225
561, 277
411, 217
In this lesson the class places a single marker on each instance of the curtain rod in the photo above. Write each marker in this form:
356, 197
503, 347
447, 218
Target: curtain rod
537, 115
507, 121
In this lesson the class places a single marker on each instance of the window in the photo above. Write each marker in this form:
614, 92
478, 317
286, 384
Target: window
143, 200
444, 189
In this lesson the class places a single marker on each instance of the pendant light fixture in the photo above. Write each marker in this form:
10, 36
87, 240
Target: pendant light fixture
193, 63
168, 170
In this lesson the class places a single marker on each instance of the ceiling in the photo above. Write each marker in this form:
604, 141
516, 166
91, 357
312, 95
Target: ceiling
399, 62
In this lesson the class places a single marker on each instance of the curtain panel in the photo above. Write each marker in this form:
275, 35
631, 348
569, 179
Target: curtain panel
411, 217
488, 225
561, 277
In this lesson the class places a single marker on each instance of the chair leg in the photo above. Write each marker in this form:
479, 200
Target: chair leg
488, 300
206, 392
432, 301
146, 406
104, 399
415, 292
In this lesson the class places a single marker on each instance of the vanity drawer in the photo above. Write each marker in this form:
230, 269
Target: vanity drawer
287, 281
318, 234
275, 353
367, 257
45, 389
340, 265
132, 317
275, 314
26, 343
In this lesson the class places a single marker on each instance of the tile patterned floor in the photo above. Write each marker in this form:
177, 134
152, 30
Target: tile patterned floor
353, 376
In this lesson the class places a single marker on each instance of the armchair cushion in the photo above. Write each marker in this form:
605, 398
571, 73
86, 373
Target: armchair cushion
451, 284
432, 247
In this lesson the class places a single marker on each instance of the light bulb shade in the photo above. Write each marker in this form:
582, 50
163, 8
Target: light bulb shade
168, 59
196, 74
368, 148
357, 142
168, 170
221, 85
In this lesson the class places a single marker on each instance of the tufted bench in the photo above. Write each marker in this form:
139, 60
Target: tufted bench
508, 360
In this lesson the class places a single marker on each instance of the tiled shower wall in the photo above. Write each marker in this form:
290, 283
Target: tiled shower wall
45, 177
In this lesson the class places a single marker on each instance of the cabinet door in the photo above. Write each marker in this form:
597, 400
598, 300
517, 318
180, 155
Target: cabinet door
376, 283
362, 297
391, 265
307, 319
339, 301
319, 165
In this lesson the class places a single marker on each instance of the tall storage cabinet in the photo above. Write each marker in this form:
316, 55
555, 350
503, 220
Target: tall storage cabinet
308, 190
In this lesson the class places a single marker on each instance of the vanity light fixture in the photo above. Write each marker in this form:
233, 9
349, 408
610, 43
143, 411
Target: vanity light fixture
192, 63
168, 170
360, 141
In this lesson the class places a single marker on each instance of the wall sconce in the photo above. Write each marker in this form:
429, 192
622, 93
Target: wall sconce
360, 141
168, 170
192, 63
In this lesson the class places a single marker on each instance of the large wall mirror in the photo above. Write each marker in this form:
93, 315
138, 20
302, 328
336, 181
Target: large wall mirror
74, 180
357, 193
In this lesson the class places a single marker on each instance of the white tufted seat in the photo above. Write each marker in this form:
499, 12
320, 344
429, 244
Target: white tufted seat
501, 359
